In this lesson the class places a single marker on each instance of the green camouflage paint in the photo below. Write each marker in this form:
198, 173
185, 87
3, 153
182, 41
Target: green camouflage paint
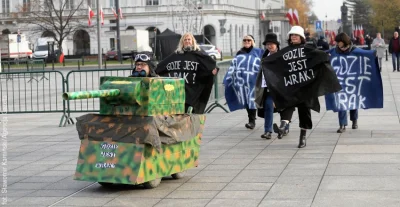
90, 94
126, 163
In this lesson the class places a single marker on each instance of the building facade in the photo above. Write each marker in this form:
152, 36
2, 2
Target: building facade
223, 23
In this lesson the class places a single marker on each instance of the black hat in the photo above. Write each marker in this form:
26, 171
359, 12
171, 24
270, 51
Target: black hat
271, 37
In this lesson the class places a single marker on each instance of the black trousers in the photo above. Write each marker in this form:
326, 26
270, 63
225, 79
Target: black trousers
304, 116
251, 113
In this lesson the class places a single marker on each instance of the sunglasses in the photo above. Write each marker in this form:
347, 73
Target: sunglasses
246, 40
142, 57
140, 64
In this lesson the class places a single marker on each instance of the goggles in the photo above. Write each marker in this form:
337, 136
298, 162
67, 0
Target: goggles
142, 57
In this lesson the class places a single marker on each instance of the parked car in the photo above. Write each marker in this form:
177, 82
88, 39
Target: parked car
212, 51
113, 54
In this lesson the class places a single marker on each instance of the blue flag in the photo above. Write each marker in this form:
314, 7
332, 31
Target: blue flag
240, 80
360, 79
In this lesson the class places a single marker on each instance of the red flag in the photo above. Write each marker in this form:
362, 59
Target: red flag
289, 15
333, 36
296, 17
115, 13
120, 13
362, 30
90, 15
262, 16
102, 15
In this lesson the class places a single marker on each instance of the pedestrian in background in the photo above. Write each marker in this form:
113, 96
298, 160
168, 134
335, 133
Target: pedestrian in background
379, 45
394, 49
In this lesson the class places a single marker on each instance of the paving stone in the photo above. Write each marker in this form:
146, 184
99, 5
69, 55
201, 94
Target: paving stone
188, 194
52, 193
84, 201
252, 195
265, 173
248, 187
211, 179
35, 201
286, 203
360, 183
364, 169
202, 186
357, 198
371, 149
366, 158
132, 202
182, 202
233, 203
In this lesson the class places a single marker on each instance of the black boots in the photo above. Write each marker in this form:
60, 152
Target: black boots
251, 113
281, 130
250, 125
302, 140
267, 135
354, 126
341, 129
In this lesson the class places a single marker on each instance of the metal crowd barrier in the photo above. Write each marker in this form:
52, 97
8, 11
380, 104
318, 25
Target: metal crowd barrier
22, 95
219, 88
85, 80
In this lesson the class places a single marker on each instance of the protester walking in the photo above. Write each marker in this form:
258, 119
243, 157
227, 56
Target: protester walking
322, 44
195, 67
241, 78
394, 49
264, 100
344, 48
301, 73
379, 45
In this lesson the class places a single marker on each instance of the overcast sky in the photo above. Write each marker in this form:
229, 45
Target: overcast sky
331, 8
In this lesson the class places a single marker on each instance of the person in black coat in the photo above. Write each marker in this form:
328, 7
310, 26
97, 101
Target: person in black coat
322, 44
195, 67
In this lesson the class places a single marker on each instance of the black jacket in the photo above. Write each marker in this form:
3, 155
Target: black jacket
390, 44
196, 68
322, 45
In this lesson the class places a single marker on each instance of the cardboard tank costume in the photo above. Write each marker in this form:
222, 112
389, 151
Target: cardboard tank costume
141, 134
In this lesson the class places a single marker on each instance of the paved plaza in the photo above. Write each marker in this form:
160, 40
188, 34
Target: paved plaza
237, 168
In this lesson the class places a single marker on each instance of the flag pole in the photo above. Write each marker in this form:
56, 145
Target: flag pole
118, 32
99, 52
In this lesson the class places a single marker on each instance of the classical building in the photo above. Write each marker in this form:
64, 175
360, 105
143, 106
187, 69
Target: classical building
222, 22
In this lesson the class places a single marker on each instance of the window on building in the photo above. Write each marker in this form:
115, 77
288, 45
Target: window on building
112, 43
26, 6
112, 3
6, 6
152, 2
69, 4
92, 4
114, 28
206, 1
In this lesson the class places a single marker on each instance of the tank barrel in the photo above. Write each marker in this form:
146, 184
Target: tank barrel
90, 94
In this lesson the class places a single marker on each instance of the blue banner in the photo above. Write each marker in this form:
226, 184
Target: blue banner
240, 80
360, 79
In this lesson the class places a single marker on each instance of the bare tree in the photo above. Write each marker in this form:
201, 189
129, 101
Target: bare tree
187, 16
59, 17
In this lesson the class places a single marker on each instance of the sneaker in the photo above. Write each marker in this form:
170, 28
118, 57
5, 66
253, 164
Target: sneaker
266, 135
250, 125
341, 129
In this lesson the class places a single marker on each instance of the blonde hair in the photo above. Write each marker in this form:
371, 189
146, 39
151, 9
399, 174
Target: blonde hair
249, 37
194, 43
